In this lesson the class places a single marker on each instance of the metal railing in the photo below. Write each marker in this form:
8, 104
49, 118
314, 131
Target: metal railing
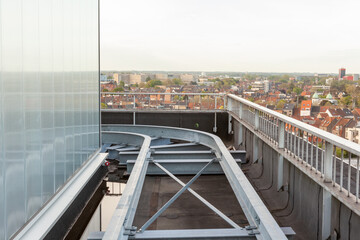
162, 101
332, 158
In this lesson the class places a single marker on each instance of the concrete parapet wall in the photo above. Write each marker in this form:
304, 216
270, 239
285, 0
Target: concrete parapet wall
203, 121
298, 203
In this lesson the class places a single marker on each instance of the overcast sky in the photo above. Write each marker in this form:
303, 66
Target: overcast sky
231, 35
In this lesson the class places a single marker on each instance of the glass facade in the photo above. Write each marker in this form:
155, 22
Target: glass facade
49, 101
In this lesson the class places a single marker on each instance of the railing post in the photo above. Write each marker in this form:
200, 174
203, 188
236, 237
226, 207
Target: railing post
240, 111
281, 135
228, 104
134, 102
328, 163
256, 123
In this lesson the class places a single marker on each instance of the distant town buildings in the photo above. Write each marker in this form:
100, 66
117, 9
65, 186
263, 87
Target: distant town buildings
187, 78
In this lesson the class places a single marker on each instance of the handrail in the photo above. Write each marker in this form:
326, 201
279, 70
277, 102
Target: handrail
332, 138
162, 93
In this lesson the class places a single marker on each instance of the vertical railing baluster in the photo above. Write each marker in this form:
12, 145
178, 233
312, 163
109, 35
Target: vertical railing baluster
349, 175
357, 179
334, 166
307, 149
287, 138
290, 138
302, 146
294, 142
312, 152
341, 169
317, 155
298, 143
322, 157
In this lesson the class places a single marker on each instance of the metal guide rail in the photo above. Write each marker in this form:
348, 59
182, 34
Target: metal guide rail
332, 161
138, 101
261, 224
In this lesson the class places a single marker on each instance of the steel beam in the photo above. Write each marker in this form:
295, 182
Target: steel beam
181, 166
168, 203
180, 147
195, 234
209, 205
121, 221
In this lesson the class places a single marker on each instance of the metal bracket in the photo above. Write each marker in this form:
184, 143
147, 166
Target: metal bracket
130, 231
252, 230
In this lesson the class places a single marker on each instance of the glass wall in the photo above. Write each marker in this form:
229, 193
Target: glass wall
49, 101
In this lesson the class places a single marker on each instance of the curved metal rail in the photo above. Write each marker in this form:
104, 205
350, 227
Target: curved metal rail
122, 219
262, 224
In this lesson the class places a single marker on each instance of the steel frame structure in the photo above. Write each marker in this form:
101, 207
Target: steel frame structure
261, 223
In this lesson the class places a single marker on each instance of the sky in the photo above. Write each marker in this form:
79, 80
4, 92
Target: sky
317, 36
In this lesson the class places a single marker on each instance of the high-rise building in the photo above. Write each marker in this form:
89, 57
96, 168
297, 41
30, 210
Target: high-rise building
49, 101
342, 73
356, 77
266, 86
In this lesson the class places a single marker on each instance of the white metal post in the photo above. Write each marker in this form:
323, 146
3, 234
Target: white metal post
240, 110
281, 135
256, 124
328, 162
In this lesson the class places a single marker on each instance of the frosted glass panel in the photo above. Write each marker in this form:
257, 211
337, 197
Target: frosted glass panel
49, 108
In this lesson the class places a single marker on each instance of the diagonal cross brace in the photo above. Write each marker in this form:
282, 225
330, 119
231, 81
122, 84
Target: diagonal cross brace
166, 205
203, 200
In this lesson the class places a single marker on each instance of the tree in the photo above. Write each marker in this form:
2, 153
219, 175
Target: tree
153, 83
354, 92
147, 79
122, 84
118, 89
338, 85
346, 101
177, 82
297, 90
103, 106
105, 90
280, 104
